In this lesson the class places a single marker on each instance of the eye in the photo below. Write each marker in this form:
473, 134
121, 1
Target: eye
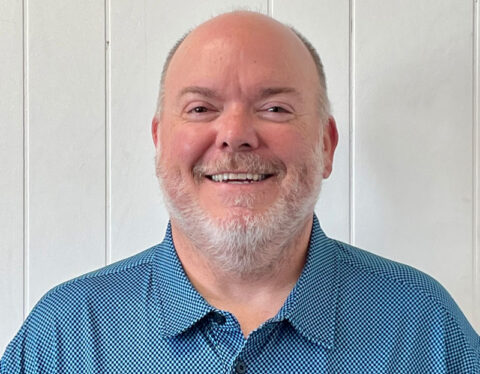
198, 109
277, 109
200, 112
277, 112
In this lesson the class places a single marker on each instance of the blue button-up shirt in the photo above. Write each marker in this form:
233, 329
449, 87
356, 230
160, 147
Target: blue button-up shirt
350, 312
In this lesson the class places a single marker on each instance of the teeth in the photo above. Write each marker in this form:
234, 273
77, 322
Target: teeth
225, 177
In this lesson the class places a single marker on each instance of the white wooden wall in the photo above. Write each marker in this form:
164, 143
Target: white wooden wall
78, 85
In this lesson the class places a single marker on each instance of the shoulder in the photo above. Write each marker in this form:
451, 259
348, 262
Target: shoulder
368, 265
116, 279
398, 294
394, 278
75, 307
121, 269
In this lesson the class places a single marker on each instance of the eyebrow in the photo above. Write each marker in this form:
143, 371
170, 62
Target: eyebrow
263, 92
271, 91
207, 92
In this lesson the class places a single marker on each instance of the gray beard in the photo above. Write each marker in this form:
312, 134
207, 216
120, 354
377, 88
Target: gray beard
245, 245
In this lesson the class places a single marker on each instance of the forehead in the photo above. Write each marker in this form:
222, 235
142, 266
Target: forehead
248, 51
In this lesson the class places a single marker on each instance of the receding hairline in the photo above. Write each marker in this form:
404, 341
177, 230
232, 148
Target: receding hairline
324, 104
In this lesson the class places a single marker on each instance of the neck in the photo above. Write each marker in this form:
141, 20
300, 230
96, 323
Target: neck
252, 298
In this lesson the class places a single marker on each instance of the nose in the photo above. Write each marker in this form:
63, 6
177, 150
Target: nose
237, 133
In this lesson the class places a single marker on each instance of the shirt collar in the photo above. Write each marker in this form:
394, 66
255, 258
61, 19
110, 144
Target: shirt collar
310, 308
180, 304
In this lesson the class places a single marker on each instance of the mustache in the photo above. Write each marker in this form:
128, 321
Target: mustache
239, 162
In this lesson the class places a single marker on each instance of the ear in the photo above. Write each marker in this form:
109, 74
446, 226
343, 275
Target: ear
330, 141
155, 124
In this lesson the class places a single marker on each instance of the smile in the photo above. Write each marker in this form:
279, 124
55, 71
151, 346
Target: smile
238, 177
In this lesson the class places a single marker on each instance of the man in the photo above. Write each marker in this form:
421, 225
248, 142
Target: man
245, 280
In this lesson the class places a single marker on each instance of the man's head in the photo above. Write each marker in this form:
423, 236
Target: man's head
243, 139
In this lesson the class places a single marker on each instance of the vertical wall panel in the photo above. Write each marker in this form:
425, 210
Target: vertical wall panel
476, 171
326, 25
141, 35
413, 125
11, 170
67, 139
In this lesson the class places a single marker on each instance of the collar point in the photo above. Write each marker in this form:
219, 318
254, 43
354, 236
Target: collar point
324, 339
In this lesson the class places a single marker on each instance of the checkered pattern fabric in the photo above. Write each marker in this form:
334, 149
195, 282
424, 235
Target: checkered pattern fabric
350, 312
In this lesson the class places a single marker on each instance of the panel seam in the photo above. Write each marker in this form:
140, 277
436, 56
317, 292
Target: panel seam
351, 121
108, 140
270, 8
26, 165
475, 171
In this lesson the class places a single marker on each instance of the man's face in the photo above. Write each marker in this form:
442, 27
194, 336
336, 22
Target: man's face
240, 138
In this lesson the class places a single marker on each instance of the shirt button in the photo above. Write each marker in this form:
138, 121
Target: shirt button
240, 367
218, 318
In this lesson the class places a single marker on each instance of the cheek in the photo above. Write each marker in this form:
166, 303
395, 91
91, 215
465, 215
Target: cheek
185, 147
289, 145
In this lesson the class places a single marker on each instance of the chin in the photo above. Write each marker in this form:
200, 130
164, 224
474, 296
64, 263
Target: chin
238, 234
236, 218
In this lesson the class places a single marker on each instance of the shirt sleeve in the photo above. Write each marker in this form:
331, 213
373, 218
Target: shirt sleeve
34, 348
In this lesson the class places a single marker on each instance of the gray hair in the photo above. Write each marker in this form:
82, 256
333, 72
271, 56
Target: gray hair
324, 103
